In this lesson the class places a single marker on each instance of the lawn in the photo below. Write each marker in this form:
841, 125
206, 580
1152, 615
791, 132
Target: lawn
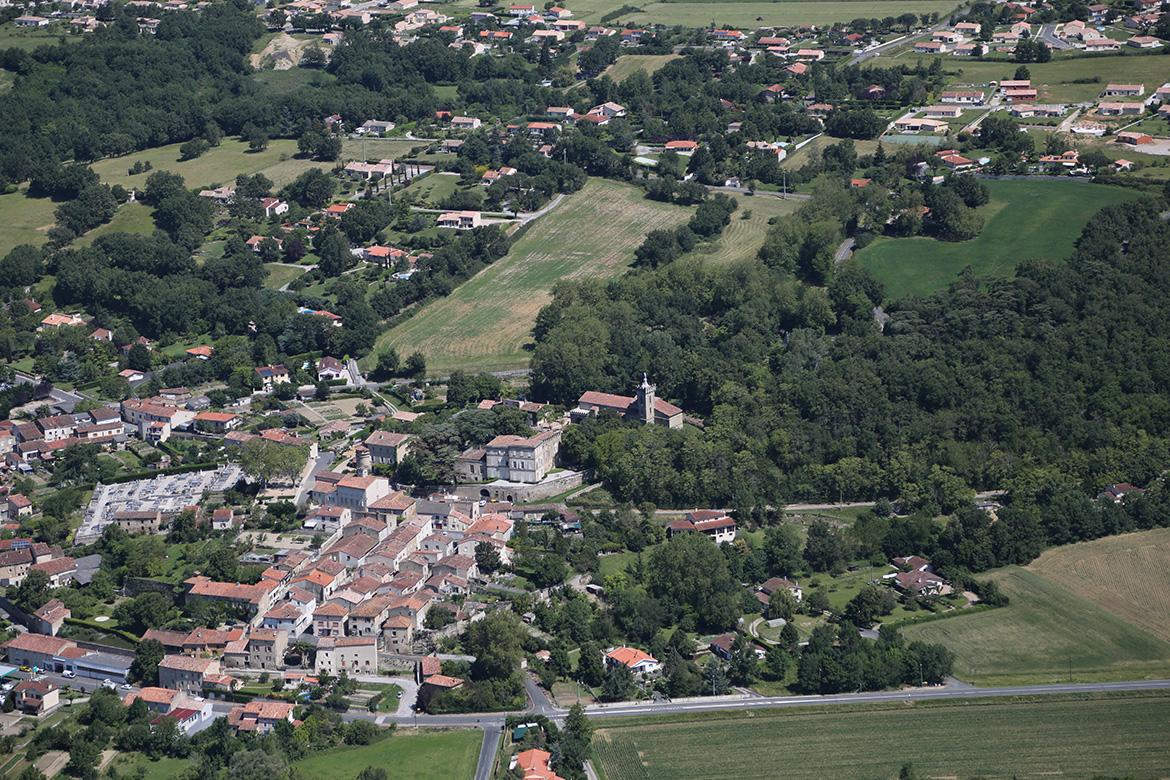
629, 64
1024, 220
798, 158
379, 148
26, 38
127, 764
427, 755
742, 238
218, 166
130, 218
433, 188
1054, 80
1061, 621
486, 322
24, 220
290, 80
280, 274
1121, 735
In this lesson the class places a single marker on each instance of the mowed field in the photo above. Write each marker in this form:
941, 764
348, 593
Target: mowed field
435, 755
1123, 735
629, 64
742, 238
748, 15
1097, 610
24, 220
1054, 80
1024, 220
485, 323
130, 218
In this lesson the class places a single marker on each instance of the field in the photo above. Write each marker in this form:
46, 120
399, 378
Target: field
799, 157
1070, 614
701, 13
280, 274
1113, 573
12, 36
286, 81
742, 238
433, 188
629, 64
437, 755
24, 220
1066, 737
1024, 220
218, 166
486, 322
1053, 80
130, 218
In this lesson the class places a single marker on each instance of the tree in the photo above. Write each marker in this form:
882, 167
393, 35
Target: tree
824, 547
147, 656
196, 147
387, 363
781, 605
743, 666
868, 605
257, 139
312, 189
1022, 73
715, 679
590, 670
618, 684
487, 558
257, 765
265, 461
574, 743
373, 773
817, 602
416, 365
33, 591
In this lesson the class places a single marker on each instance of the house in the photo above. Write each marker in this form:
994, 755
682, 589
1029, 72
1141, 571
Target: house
330, 369
963, 97
1120, 109
718, 526
969, 50
329, 620
943, 112
460, 220
250, 599
388, 448
19, 505
217, 422
957, 162
374, 127
1123, 90
534, 764
1133, 138
37, 697
921, 583
774, 584
59, 320
50, 617
797, 69
220, 195
1066, 159
685, 148
1101, 44
202, 352
968, 28
465, 122
260, 716
186, 674
132, 375
1017, 94
722, 646
354, 654
1144, 42
266, 648
338, 210
609, 109
30, 21
930, 47
272, 375
273, 207
512, 458
1119, 492
224, 518
633, 659
809, 55
645, 406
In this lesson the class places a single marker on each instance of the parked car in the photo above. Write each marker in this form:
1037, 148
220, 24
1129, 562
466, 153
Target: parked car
69, 674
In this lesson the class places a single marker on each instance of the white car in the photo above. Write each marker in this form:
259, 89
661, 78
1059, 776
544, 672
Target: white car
109, 685
126, 687
69, 674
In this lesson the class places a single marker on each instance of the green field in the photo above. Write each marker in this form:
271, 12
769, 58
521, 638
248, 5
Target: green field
218, 166
280, 274
379, 148
130, 218
1074, 737
748, 15
433, 188
1053, 80
742, 238
292, 79
1024, 220
629, 64
1070, 611
24, 220
485, 323
12, 36
801, 156
434, 755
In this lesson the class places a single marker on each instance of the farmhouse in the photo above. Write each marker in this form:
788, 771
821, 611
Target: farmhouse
1123, 90
388, 448
963, 97
930, 47
1120, 109
917, 125
1134, 138
718, 526
460, 220
943, 112
633, 659
645, 406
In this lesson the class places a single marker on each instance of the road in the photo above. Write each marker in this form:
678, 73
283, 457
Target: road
322, 463
1048, 36
63, 398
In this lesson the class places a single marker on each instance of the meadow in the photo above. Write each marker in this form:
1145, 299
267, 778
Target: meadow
742, 238
1068, 737
426, 755
432, 189
24, 220
130, 218
1024, 220
219, 165
13, 37
1093, 611
629, 64
485, 324
280, 274
1054, 81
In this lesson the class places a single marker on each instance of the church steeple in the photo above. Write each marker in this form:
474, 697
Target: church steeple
646, 398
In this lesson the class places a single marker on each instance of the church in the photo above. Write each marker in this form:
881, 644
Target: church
645, 407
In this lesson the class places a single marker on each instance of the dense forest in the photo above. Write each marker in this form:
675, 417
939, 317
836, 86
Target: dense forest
1054, 377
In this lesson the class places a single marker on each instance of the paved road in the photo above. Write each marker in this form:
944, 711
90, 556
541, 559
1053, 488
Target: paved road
487, 751
63, 398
